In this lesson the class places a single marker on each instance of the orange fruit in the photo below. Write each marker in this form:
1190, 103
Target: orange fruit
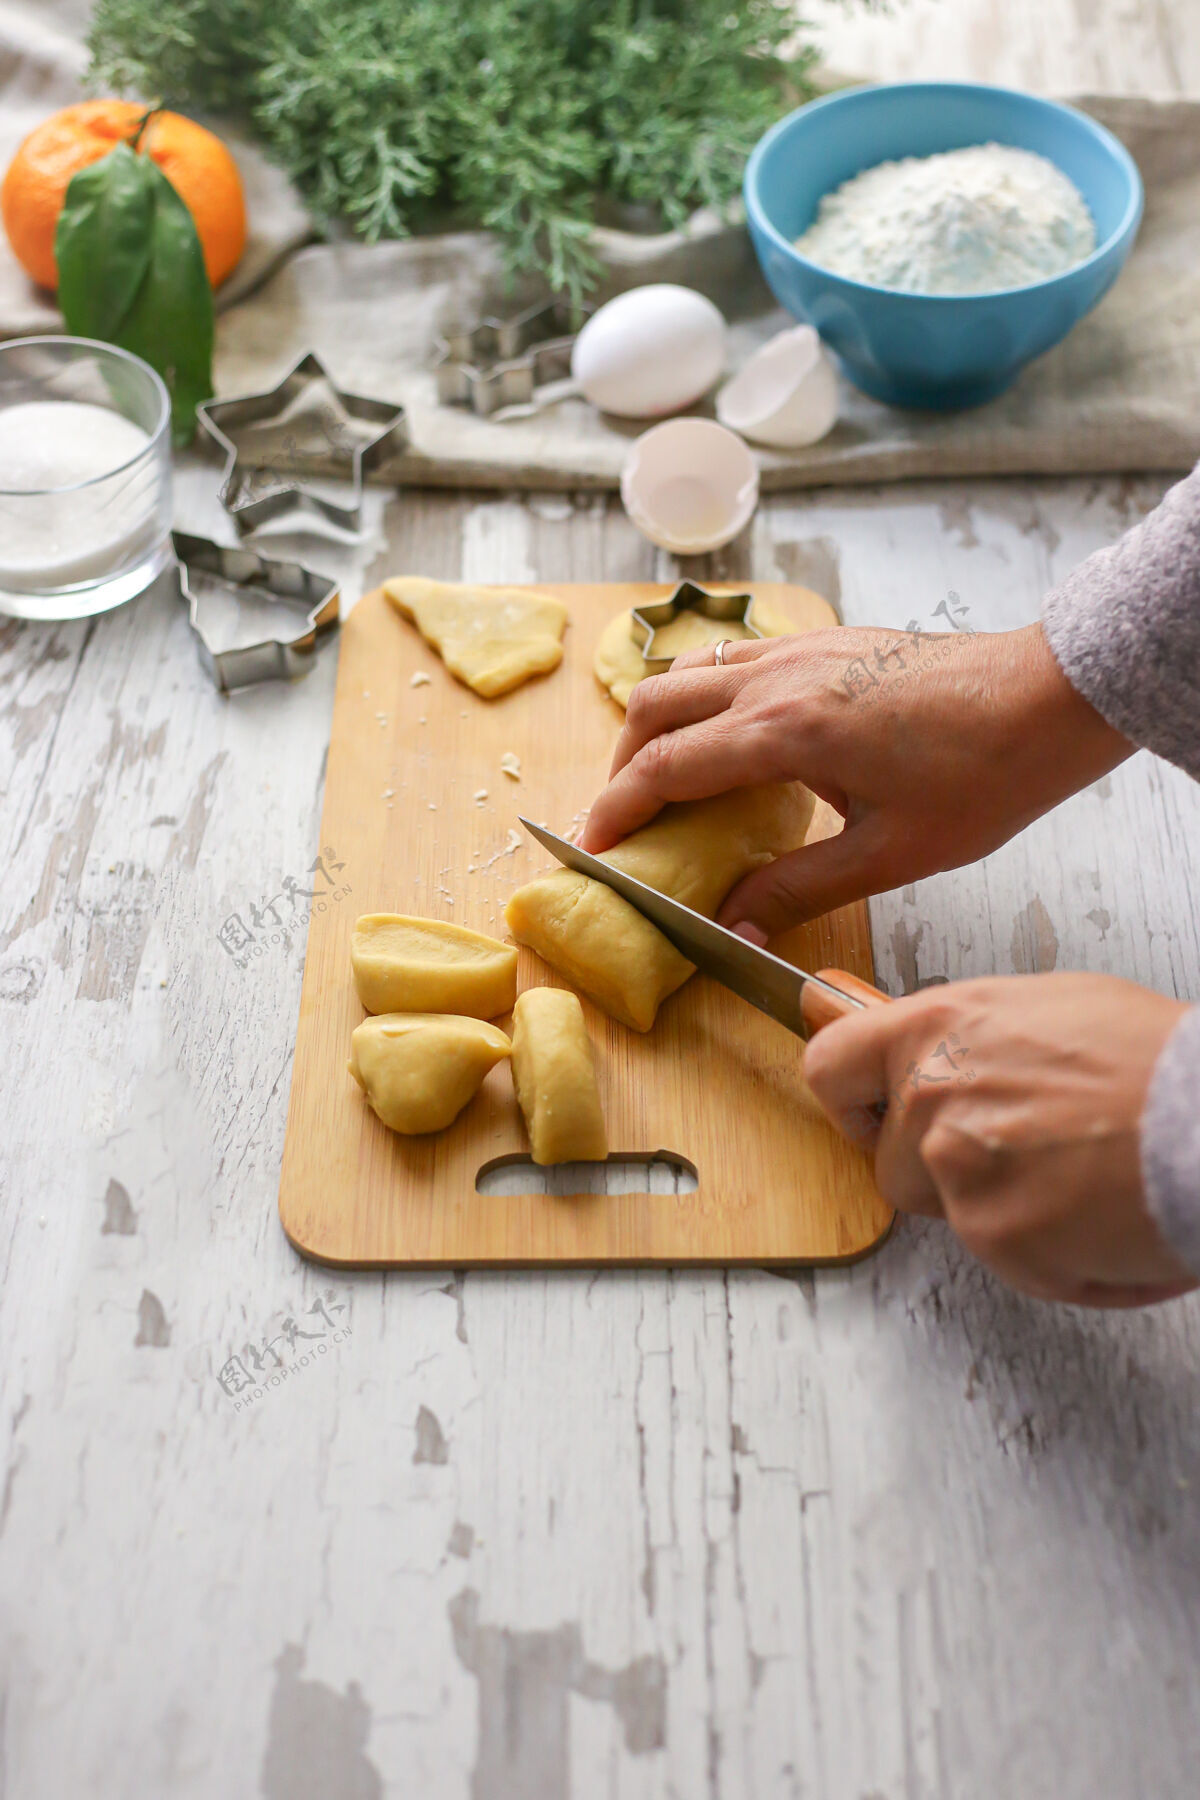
196, 163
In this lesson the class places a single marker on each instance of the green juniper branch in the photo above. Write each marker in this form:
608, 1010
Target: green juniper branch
513, 114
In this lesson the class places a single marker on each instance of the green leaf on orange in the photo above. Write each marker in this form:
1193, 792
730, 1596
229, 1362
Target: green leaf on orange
102, 243
131, 272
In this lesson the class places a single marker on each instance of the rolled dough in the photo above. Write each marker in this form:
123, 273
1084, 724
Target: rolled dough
618, 661
695, 852
554, 1073
402, 964
418, 1070
491, 638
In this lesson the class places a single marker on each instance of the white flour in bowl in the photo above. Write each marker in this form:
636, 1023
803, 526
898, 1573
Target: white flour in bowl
961, 222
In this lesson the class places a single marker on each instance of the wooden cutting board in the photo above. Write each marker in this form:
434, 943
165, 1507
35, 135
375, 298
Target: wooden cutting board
420, 814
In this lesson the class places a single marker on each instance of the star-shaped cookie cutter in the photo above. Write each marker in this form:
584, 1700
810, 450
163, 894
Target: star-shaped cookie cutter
646, 621
288, 584
503, 362
339, 453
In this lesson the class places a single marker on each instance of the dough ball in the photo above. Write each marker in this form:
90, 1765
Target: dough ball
418, 1070
695, 852
429, 966
619, 664
554, 1073
491, 638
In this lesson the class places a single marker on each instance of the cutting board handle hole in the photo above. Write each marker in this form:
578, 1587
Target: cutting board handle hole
665, 1172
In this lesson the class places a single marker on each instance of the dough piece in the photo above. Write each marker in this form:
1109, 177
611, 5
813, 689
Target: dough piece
418, 1070
619, 664
599, 944
491, 638
695, 852
555, 1077
426, 965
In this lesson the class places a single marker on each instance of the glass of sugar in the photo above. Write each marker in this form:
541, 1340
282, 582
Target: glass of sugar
85, 477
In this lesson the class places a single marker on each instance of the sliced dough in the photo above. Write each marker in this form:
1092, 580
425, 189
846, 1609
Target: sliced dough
426, 965
418, 1070
491, 638
598, 943
554, 1074
695, 852
619, 664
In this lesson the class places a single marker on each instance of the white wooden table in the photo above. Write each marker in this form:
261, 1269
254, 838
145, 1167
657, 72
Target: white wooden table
879, 1534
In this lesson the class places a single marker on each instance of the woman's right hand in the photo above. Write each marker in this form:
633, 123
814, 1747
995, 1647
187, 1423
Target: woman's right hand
935, 749
1011, 1107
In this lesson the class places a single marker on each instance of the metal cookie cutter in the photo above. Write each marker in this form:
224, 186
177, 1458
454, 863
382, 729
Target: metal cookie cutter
229, 579
647, 621
503, 362
343, 435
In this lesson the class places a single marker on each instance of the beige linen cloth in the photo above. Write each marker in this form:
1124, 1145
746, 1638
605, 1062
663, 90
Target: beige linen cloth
1121, 393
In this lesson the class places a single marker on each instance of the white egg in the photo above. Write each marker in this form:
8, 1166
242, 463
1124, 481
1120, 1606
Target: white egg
650, 351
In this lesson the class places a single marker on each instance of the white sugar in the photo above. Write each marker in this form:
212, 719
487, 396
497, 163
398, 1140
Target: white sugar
60, 443
67, 531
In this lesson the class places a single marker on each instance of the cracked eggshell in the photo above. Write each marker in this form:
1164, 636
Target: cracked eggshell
651, 351
690, 485
786, 395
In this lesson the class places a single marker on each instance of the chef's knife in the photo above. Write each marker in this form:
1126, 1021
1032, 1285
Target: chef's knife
796, 999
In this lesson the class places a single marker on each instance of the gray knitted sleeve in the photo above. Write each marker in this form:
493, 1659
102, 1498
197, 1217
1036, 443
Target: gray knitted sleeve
1171, 1140
1125, 628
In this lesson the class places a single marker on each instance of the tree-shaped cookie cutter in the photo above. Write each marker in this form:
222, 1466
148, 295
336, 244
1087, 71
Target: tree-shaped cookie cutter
340, 453
646, 621
290, 585
503, 362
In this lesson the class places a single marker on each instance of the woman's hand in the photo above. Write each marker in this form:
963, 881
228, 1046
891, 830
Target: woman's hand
1013, 1109
935, 749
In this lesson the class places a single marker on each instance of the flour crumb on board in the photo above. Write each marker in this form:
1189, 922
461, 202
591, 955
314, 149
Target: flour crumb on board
432, 805
480, 796
514, 841
510, 765
420, 679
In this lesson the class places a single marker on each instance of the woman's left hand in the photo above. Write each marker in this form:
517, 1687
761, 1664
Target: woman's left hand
1013, 1107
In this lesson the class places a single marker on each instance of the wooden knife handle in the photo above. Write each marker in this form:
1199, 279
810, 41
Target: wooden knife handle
821, 1008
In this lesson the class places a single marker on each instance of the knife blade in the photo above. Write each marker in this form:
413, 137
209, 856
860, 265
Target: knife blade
801, 1001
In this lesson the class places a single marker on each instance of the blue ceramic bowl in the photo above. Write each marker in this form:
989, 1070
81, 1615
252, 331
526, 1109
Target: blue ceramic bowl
933, 350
